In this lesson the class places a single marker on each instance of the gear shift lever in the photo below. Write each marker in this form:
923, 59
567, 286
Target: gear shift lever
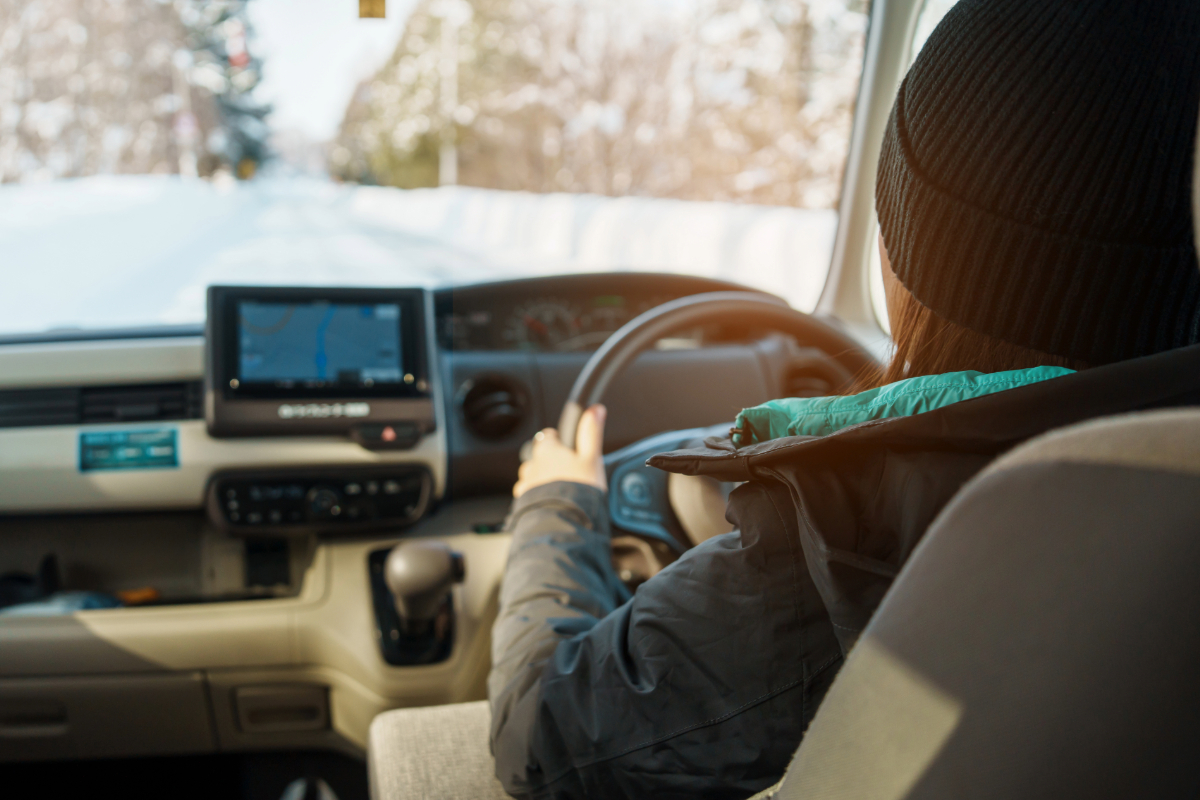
420, 574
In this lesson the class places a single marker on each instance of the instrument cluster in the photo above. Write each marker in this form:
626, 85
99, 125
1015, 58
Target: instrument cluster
558, 315
556, 324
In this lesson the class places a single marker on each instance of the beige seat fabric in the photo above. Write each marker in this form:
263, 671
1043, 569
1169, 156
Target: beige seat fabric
1166, 440
439, 752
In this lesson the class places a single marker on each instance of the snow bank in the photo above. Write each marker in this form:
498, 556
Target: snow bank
782, 250
135, 250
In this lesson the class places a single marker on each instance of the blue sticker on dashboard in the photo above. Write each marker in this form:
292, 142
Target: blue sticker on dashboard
153, 449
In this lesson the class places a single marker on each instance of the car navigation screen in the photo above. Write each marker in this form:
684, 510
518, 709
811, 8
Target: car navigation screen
314, 359
320, 343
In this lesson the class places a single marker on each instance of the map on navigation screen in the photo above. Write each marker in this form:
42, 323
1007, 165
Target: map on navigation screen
319, 342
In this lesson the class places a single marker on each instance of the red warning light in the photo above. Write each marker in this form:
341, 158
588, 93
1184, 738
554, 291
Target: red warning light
389, 434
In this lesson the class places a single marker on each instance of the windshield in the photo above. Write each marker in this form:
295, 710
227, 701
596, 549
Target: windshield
151, 148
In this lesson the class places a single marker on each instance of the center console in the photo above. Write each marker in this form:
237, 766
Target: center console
319, 362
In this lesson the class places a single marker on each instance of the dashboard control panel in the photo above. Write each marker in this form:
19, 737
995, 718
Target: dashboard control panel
327, 499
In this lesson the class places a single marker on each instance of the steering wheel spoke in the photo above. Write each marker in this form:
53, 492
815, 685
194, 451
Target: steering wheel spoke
638, 495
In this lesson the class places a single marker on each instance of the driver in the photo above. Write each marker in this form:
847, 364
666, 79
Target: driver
1033, 200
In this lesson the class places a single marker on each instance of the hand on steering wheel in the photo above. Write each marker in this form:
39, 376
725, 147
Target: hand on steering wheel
551, 460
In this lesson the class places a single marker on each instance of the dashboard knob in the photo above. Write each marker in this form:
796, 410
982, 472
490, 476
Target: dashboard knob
324, 503
493, 406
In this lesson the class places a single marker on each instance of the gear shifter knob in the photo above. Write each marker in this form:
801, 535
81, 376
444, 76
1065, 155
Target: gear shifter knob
420, 574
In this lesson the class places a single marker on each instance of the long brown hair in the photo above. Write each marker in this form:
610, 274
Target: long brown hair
926, 344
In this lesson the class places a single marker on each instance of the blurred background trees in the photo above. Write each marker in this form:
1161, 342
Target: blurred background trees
127, 86
747, 100
223, 67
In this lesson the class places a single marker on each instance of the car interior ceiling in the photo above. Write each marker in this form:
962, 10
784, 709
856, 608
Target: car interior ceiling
228, 570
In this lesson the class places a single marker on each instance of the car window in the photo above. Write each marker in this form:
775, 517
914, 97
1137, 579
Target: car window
149, 148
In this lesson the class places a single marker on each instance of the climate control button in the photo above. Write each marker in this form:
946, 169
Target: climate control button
324, 502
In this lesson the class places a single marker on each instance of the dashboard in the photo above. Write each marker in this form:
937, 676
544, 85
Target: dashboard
433, 390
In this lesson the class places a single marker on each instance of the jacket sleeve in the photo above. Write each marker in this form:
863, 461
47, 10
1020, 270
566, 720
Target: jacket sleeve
559, 582
700, 685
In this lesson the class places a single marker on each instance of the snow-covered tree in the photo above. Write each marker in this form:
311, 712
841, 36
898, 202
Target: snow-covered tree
125, 86
747, 100
222, 63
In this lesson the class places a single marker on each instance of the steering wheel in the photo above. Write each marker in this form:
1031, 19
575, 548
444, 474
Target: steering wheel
639, 496
750, 309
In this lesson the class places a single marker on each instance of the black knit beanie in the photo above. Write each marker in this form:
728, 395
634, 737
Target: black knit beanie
1035, 179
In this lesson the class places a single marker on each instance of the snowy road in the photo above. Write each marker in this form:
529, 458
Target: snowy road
121, 251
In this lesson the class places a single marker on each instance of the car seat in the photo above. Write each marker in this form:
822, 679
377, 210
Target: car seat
434, 752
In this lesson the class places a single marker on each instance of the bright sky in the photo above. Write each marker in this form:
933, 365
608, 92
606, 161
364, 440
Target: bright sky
314, 53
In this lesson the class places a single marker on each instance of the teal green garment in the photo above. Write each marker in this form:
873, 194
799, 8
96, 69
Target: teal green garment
818, 416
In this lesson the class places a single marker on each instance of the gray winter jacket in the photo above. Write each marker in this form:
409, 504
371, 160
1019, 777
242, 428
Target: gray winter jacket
703, 682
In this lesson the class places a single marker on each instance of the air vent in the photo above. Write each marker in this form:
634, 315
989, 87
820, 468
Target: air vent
803, 383
21, 408
101, 404
160, 401
811, 373
493, 405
